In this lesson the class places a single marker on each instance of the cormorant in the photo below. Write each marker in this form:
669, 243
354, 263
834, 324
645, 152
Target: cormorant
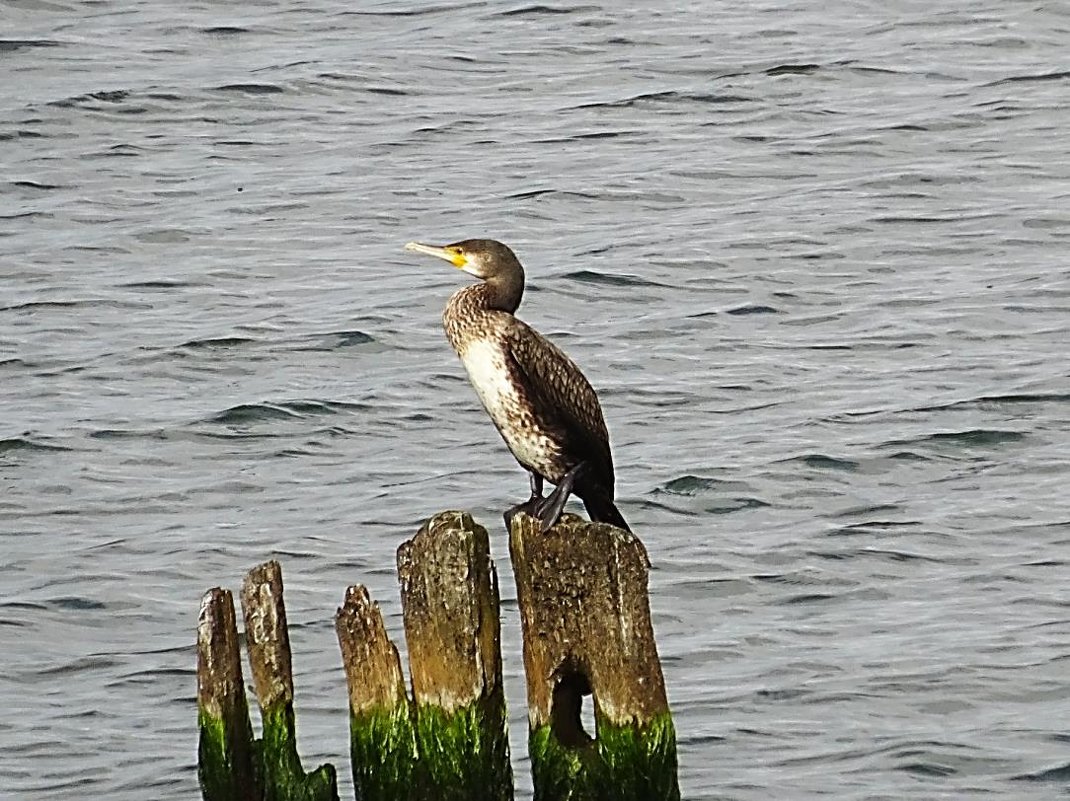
542, 405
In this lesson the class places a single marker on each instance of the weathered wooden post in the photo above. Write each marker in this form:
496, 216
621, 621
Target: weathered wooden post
456, 723
382, 743
226, 754
268, 643
231, 765
585, 619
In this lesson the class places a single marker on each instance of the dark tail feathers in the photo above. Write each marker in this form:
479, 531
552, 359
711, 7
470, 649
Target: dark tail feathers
602, 510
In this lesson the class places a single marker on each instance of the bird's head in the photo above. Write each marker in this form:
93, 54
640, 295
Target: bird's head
486, 259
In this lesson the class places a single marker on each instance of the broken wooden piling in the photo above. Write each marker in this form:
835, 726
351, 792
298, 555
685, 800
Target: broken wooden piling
226, 754
585, 620
268, 642
231, 764
453, 732
450, 604
382, 742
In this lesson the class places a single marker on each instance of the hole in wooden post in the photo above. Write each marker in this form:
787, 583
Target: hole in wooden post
566, 721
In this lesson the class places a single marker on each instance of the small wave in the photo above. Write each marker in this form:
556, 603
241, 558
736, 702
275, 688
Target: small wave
25, 444
251, 88
932, 769
252, 413
524, 11
126, 433
1059, 774
996, 401
806, 598
753, 309
76, 603
608, 279
43, 304
123, 150
318, 406
974, 437
901, 556
690, 485
349, 338
823, 462
22, 133
286, 410
32, 606
657, 506
871, 526
163, 236
217, 342
104, 96
155, 284
69, 304
1044, 76
704, 740
978, 436
11, 45
669, 96
35, 185
224, 30
793, 69
78, 665
533, 193
909, 456
554, 140
26, 215
738, 504
782, 694
868, 509
334, 340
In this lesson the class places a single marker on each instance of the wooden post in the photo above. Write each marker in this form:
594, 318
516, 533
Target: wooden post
226, 754
382, 743
585, 619
268, 643
449, 596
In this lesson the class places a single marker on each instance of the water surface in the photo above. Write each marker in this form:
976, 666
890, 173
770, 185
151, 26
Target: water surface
813, 257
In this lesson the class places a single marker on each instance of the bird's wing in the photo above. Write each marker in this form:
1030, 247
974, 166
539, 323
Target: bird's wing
560, 386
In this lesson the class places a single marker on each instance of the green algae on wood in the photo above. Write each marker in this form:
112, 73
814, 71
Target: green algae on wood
382, 743
268, 643
449, 595
585, 620
226, 753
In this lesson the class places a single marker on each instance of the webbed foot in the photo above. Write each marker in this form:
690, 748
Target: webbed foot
530, 506
548, 510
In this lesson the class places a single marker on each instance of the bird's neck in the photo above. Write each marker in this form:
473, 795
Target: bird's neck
495, 294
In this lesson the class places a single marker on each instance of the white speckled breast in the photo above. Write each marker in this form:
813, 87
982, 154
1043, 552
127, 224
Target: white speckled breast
485, 361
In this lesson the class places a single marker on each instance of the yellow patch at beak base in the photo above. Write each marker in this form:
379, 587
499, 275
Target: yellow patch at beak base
452, 255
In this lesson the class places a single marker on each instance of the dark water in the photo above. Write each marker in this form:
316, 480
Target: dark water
814, 257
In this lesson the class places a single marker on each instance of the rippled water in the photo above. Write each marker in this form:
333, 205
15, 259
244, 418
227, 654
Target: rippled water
814, 257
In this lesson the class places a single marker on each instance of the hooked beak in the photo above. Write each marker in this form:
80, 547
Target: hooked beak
453, 255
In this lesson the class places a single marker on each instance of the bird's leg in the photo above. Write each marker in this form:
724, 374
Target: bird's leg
536, 487
530, 505
548, 510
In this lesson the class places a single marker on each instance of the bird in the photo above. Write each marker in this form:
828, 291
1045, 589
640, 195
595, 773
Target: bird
541, 403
